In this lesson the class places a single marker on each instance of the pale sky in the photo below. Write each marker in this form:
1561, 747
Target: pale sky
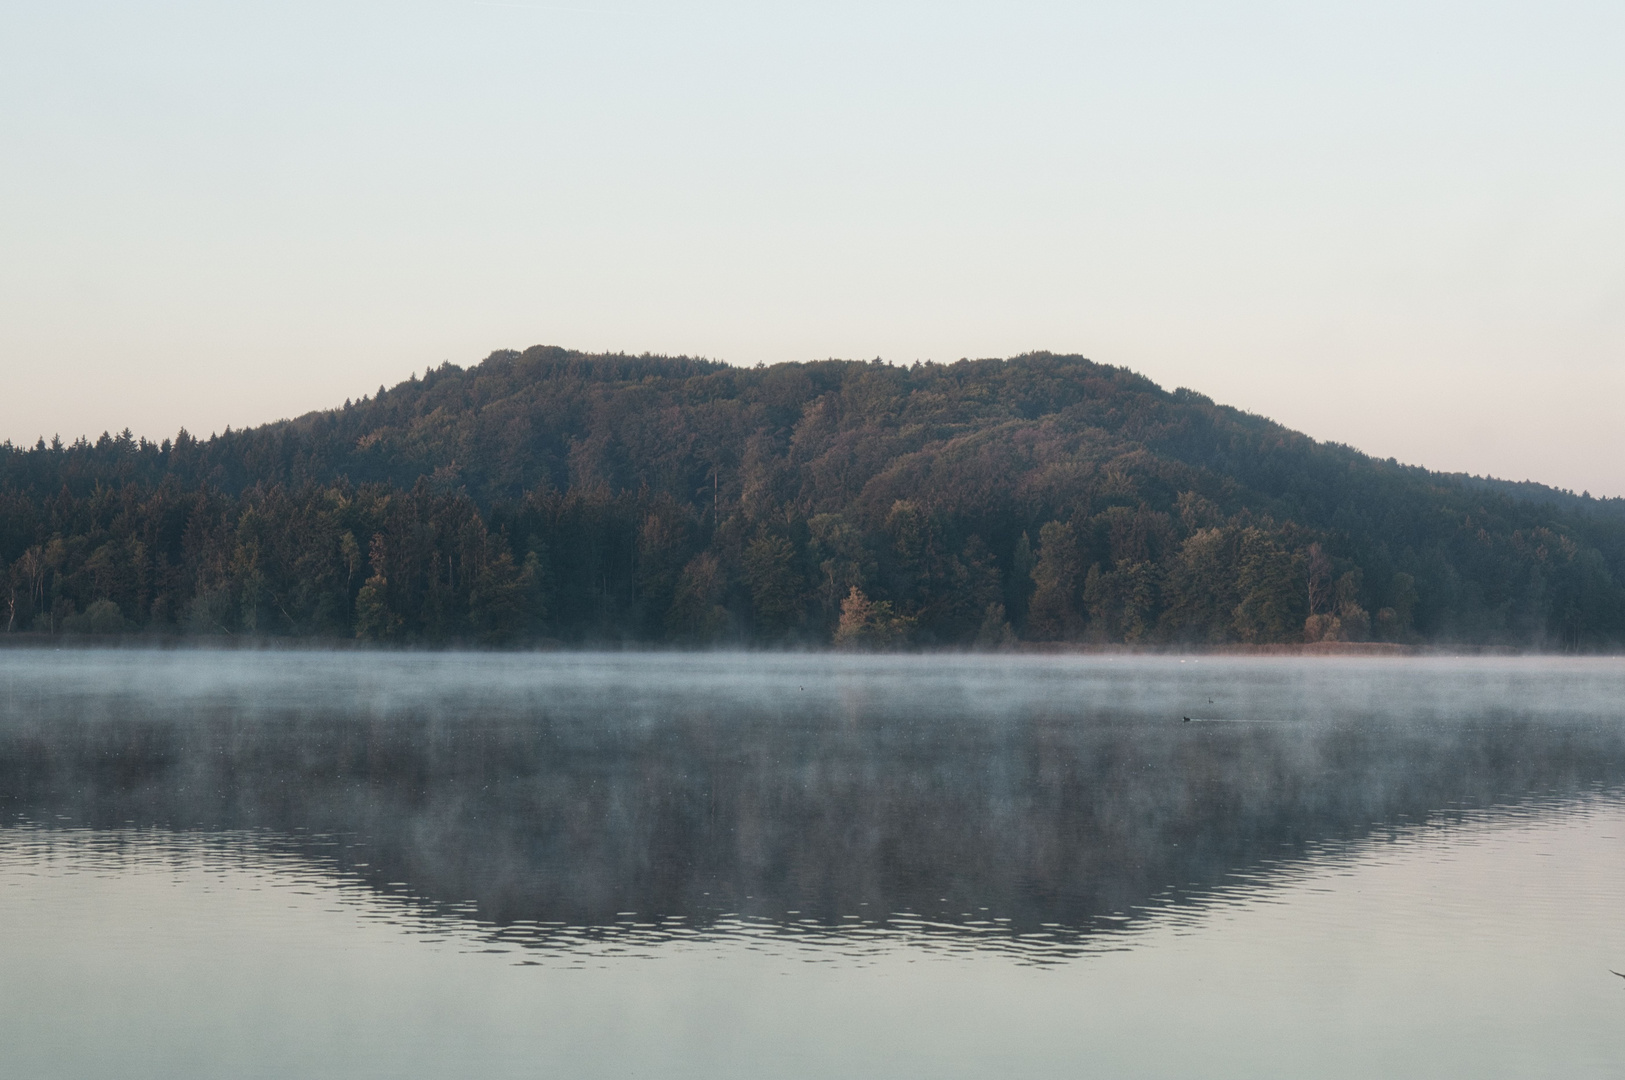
1396, 225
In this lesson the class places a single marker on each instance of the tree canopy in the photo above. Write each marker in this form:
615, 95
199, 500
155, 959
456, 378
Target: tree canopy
582, 498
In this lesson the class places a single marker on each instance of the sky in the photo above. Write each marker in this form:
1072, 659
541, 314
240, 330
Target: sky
1394, 225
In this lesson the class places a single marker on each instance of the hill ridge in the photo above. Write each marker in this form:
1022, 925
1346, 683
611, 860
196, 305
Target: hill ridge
605, 497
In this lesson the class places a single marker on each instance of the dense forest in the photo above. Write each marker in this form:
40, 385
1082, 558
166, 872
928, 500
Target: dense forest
551, 495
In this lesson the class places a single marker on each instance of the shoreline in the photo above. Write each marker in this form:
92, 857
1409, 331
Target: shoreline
1362, 649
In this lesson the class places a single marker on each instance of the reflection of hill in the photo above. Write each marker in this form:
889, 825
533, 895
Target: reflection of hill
563, 808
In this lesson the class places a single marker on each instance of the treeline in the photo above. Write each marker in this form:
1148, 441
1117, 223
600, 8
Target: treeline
552, 495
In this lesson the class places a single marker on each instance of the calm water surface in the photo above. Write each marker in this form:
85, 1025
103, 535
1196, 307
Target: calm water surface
306, 865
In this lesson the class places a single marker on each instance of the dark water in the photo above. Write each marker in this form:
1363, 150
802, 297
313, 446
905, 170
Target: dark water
294, 865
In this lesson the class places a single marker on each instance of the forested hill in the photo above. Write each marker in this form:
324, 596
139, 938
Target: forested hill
555, 495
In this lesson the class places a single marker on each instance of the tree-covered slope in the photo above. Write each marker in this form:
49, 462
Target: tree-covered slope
603, 498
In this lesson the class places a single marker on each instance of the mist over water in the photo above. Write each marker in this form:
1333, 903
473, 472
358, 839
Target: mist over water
640, 814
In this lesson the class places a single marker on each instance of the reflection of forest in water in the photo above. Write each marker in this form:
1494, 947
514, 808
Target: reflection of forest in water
983, 807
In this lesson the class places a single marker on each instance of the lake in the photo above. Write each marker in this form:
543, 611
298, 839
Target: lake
353, 864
